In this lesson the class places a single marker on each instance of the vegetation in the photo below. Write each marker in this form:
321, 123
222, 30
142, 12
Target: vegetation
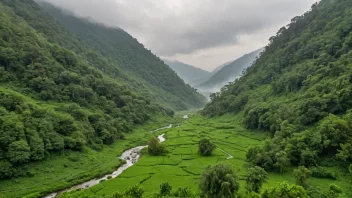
255, 178
219, 181
299, 90
146, 72
155, 147
285, 190
183, 167
302, 175
55, 99
205, 147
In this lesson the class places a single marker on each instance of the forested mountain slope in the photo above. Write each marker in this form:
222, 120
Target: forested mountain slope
126, 53
230, 71
300, 90
188, 73
53, 100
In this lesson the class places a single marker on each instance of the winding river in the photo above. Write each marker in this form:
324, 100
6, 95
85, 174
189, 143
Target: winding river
131, 156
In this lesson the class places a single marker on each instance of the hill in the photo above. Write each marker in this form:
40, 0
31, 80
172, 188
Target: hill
114, 52
300, 91
58, 95
188, 73
228, 72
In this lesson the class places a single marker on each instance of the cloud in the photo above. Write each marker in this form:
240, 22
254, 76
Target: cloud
184, 27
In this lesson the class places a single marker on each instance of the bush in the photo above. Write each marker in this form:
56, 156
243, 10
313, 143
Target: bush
219, 181
155, 148
205, 147
320, 172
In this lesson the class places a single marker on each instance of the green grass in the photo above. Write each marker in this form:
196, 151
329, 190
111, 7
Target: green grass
68, 168
182, 166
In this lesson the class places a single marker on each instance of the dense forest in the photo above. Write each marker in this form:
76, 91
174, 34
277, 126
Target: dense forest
124, 51
56, 94
300, 91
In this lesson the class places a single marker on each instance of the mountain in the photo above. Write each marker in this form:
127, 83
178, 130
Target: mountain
188, 73
114, 52
220, 67
228, 72
300, 91
59, 94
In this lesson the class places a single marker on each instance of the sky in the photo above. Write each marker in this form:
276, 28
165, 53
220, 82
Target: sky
203, 33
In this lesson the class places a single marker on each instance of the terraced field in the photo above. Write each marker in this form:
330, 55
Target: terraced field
182, 166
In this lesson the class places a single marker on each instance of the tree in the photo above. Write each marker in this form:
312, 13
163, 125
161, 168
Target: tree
205, 147
19, 152
165, 189
155, 148
184, 193
285, 190
219, 181
255, 178
282, 161
334, 191
135, 191
301, 175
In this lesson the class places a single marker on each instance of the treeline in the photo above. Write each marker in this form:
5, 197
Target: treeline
300, 90
51, 99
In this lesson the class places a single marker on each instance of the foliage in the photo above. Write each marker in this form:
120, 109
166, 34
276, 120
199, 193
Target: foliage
219, 181
302, 174
155, 147
205, 147
135, 191
52, 99
165, 189
118, 54
285, 190
255, 178
299, 90
320, 172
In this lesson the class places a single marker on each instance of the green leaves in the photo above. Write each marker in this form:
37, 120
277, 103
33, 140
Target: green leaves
205, 147
19, 152
219, 181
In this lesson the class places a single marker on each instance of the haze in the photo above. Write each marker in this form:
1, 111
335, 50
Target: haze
203, 33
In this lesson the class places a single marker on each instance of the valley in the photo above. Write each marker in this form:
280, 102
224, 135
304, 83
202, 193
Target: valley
86, 110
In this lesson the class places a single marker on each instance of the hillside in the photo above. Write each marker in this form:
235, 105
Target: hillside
58, 95
188, 73
125, 52
53, 101
300, 91
228, 72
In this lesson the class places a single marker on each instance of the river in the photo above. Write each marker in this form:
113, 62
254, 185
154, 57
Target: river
131, 156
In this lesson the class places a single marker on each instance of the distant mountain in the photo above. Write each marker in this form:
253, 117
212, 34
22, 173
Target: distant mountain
228, 72
220, 67
188, 73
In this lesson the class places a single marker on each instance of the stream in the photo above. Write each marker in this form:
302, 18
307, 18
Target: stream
131, 156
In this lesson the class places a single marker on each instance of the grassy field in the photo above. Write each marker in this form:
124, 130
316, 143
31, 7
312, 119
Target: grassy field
69, 168
183, 166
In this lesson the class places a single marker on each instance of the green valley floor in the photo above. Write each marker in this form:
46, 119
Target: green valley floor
182, 166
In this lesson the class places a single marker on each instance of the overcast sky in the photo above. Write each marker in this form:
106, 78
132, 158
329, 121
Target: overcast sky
203, 33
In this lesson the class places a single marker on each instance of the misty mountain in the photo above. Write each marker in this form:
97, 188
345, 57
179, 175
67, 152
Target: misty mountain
146, 72
220, 67
228, 72
188, 73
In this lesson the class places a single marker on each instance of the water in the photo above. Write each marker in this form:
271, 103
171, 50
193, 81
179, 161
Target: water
131, 156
